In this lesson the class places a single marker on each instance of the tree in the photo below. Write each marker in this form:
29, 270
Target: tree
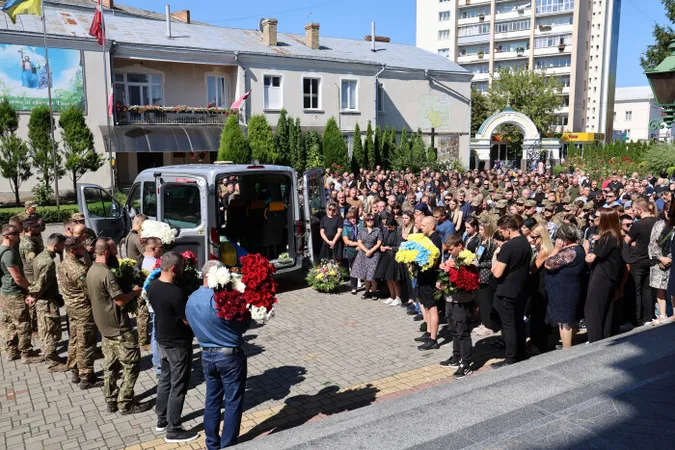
432, 157
416, 159
378, 146
233, 144
532, 93
313, 148
358, 157
479, 110
9, 118
78, 145
297, 150
283, 136
663, 36
261, 141
369, 148
15, 163
334, 147
49, 163
402, 152
386, 147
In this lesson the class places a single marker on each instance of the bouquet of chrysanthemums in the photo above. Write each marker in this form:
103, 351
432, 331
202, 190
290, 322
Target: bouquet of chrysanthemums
326, 277
128, 274
161, 230
228, 294
458, 275
418, 253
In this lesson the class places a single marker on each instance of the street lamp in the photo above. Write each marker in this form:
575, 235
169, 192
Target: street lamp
662, 81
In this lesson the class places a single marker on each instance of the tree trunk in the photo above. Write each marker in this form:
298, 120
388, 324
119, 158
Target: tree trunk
16, 193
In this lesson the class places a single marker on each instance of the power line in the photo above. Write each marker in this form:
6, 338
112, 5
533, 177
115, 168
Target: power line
285, 11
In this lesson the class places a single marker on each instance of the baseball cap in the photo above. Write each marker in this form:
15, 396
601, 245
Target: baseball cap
31, 204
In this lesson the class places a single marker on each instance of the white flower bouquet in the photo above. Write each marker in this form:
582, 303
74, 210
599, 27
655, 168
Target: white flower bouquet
161, 230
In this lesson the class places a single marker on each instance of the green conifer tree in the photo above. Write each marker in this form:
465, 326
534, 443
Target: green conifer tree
261, 141
369, 147
335, 153
358, 157
283, 137
233, 144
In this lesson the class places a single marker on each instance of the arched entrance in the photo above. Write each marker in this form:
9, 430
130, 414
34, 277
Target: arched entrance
533, 144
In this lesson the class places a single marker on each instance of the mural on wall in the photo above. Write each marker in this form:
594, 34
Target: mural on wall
23, 77
448, 146
434, 112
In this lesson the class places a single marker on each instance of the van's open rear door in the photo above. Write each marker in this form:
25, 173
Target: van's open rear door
314, 207
102, 212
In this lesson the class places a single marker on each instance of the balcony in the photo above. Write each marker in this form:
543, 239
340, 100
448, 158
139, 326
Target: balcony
504, 55
520, 13
552, 51
465, 3
473, 58
170, 115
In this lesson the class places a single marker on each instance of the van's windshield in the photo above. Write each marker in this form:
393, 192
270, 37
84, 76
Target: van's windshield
254, 211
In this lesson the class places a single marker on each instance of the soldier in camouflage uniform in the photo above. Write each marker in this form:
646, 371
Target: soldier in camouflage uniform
15, 316
73, 284
90, 236
120, 343
80, 232
30, 213
44, 292
28, 250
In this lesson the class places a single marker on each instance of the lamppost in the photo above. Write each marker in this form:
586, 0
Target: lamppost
662, 81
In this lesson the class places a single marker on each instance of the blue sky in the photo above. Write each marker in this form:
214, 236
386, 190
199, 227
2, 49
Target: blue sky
396, 19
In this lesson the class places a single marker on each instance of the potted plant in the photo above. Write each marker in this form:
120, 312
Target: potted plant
481, 17
481, 53
544, 27
521, 10
561, 46
520, 50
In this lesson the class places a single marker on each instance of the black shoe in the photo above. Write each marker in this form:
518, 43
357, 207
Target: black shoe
418, 317
411, 312
181, 436
462, 371
161, 427
501, 364
74, 376
423, 338
136, 408
423, 327
367, 295
353, 291
90, 383
452, 362
112, 407
429, 345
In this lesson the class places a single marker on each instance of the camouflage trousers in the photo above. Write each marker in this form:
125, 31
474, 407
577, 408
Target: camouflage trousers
82, 342
143, 322
34, 326
16, 321
49, 329
120, 353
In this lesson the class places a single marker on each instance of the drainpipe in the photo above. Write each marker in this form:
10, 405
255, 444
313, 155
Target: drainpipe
377, 83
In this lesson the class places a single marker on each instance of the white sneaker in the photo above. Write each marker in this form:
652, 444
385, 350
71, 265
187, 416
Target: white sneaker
359, 285
388, 301
395, 302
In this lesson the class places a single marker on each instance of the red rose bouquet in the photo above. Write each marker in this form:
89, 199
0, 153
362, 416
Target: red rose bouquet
261, 288
459, 275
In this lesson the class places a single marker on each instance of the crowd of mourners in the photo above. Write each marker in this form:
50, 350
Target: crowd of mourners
556, 254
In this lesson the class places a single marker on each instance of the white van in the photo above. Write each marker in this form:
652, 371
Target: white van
268, 215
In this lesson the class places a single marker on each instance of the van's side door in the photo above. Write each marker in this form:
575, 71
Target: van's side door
182, 204
102, 212
314, 208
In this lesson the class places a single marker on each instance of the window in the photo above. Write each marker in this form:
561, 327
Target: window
310, 93
443, 35
474, 30
475, 12
100, 204
512, 46
557, 61
150, 199
272, 93
443, 16
348, 95
138, 89
553, 41
565, 81
479, 68
444, 52
627, 134
548, 6
182, 205
134, 200
629, 115
556, 20
566, 100
482, 86
216, 95
562, 121
380, 97
503, 8
518, 25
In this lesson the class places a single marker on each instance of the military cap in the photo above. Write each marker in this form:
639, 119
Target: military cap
573, 208
530, 203
501, 204
498, 196
567, 199
520, 201
550, 206
588, 206
31, 204
77, 216
477, 201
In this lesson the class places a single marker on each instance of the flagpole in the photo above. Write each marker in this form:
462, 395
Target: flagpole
107, 142
51, 110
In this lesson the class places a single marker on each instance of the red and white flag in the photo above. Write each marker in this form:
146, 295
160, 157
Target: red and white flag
237, 103
97, 28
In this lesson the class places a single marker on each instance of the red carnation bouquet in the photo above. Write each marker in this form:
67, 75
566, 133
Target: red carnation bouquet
459, 275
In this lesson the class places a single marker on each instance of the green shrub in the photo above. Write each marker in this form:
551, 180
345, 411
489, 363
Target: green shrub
558, 169
659, 157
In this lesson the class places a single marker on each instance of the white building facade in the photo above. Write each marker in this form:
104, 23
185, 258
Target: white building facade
634, 109
573, 40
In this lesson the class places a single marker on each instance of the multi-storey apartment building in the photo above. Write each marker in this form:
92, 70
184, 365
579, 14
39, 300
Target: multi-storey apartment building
166, 72
634, 109
574, 40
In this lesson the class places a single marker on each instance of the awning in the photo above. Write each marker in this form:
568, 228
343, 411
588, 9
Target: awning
169, 138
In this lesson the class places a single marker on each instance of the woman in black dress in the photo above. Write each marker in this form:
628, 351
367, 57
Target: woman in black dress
607, 270
330, 229
388, 269
542, 248
471, 237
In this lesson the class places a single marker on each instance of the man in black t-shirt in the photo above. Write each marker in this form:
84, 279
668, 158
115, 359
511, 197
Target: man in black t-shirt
426, 282
174, 338
638, 239
511, 272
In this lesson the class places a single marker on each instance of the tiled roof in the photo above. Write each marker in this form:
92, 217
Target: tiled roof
71, 21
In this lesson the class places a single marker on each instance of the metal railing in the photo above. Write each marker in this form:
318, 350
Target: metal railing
171, 118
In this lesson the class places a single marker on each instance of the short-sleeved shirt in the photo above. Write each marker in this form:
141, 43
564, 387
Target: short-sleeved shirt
640, 233
168, 303
516, 253
445, 229
110, 319
10, 258
209, 329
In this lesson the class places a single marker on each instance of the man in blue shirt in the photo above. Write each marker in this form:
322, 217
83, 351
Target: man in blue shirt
223, 361
444, 227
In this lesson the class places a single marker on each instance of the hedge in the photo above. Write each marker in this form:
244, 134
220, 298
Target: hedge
49, 213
